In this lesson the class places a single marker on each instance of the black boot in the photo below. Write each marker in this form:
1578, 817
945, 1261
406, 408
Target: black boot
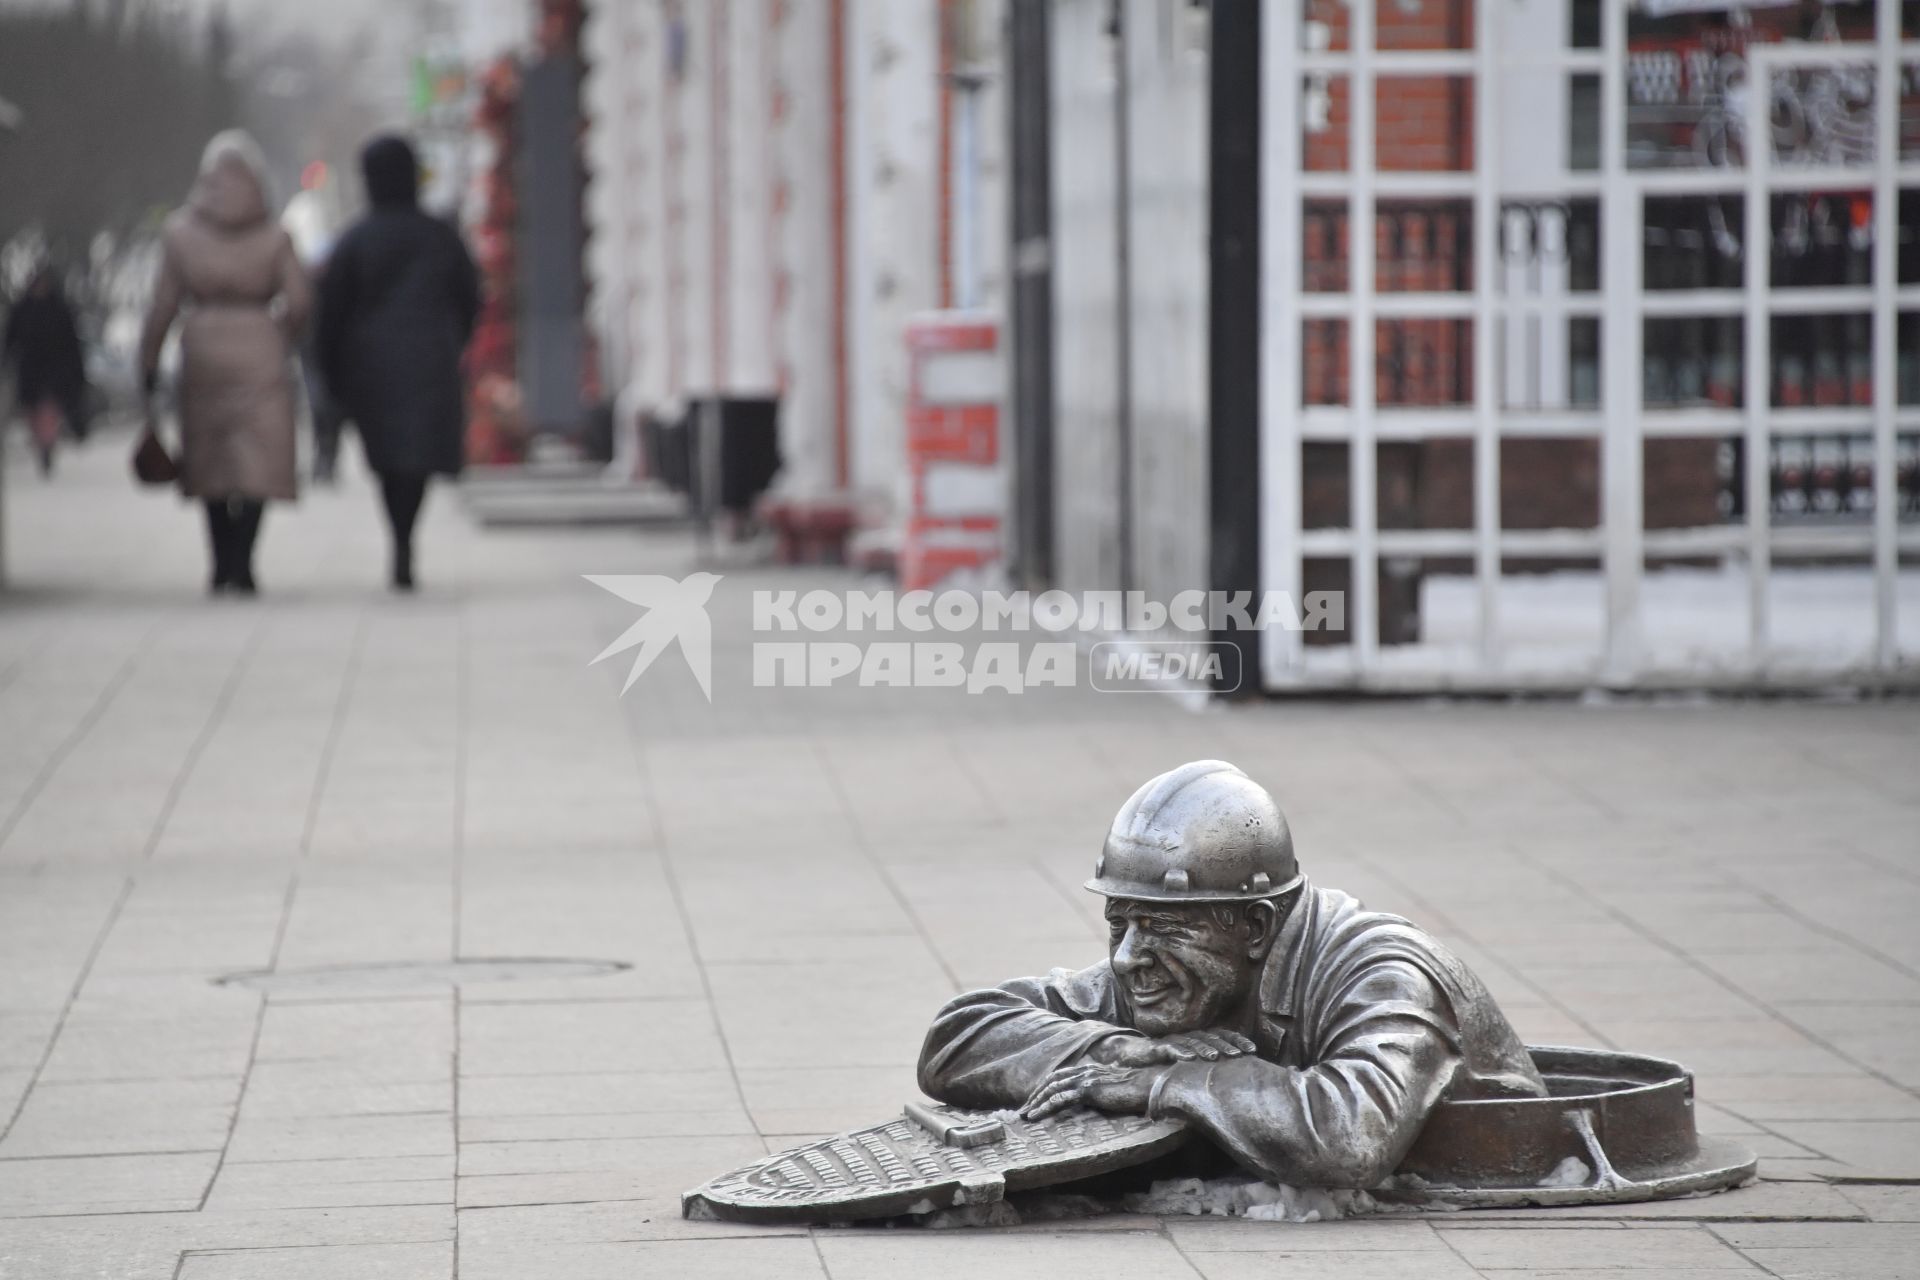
246, 527
220, 540
403, 495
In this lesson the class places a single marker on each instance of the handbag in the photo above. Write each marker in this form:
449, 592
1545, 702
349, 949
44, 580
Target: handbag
152, 464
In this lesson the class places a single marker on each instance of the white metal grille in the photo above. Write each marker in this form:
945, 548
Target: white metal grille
1619, 654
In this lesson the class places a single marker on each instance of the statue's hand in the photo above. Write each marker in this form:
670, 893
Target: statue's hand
1123, 1090
1145, 1051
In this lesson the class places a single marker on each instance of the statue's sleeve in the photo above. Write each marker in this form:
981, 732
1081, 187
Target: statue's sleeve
1387, 1051
992, 1048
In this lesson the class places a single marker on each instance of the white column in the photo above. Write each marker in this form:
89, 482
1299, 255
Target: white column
646, 126
748, 316
1620, 460
1084, 253
1280, 332
1486, 395
1886, 230
608, 160
1758, 391
1363, 603
692, 152
802, 267
893, 194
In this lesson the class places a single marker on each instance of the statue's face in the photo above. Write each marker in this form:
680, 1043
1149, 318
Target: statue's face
1184, 967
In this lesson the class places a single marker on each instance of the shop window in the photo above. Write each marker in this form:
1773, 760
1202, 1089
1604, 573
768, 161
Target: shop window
1683, 105
1907, 246
1537, 234
1692, 242
1909, 128
1423, 363
1583, 123
1547, 362
1423, 246
1583, 245
1822, 240
1821, 361
1324, 246
1825, 478
1583, 24
1323, 360
1906, 360
1823, 115
1583, 362
1687, 76
1325, 502
1691, 362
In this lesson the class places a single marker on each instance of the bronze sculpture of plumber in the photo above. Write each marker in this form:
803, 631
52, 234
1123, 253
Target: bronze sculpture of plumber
1308, 1040
1305, 1036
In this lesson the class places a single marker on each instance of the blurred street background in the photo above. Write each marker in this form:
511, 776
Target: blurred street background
1572, 346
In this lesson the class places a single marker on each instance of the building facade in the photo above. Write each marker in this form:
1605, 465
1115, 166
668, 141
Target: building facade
777, 188
1567, 340
1580, 333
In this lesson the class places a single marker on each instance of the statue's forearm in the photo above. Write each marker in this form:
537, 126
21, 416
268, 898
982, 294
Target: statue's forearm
1345, 1122
991, 1050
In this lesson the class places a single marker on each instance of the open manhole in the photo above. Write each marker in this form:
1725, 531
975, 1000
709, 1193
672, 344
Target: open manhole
414, 975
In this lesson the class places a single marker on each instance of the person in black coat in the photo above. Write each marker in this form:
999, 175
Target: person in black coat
397, 304
43, 344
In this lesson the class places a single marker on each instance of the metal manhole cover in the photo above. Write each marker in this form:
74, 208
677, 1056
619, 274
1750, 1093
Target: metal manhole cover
934, 1157
412, 975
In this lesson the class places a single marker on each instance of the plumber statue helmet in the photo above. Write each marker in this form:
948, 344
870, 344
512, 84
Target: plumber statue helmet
1204, 832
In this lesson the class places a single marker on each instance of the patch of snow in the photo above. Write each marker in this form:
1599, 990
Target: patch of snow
1571, 1172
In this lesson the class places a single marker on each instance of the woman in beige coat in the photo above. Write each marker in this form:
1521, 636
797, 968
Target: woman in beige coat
229, 272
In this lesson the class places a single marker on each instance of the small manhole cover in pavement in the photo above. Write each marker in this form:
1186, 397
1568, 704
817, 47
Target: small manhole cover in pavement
412, 975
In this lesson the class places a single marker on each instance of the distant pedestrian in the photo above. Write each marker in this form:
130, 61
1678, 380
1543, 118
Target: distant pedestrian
397, 306
50, 377
229, 271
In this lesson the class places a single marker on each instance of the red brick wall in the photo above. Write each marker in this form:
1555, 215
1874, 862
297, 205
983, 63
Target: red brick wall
1423, 24
1422, 124
1324, 150
1544, 484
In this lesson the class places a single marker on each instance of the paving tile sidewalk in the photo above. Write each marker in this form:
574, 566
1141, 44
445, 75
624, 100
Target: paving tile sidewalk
332, 778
